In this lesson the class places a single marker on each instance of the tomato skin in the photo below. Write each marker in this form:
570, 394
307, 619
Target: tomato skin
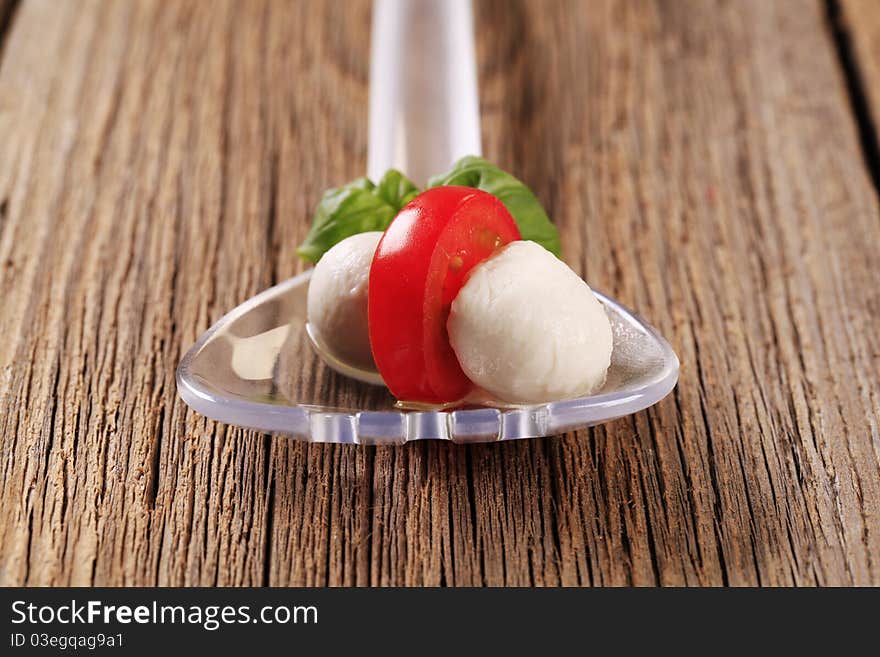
419, 266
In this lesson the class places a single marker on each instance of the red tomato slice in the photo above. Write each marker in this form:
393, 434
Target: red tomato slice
419, 266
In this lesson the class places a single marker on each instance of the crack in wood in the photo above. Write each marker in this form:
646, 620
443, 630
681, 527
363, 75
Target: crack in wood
856, 92
7, 16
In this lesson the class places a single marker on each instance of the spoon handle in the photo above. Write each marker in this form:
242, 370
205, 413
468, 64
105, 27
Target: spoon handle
424, 112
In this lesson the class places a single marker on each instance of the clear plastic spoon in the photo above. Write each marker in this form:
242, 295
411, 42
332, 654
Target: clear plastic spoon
257, 366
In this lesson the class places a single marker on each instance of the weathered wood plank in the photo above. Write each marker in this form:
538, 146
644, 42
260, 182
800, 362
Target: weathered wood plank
702, 163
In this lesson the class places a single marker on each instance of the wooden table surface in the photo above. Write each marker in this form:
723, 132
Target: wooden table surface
712, 164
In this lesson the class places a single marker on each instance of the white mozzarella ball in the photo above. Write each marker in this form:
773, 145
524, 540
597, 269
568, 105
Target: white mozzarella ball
527, 329
337, 300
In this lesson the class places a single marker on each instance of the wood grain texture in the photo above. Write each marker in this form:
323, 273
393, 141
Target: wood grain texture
159, 160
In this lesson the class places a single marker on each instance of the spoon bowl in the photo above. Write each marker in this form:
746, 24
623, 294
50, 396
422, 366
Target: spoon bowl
257, 368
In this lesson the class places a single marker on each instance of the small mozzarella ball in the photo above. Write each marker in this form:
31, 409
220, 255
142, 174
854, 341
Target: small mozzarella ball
527, 329
337, 301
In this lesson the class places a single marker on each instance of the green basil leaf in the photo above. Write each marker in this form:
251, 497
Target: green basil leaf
358, 207
523, 205
396, 189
